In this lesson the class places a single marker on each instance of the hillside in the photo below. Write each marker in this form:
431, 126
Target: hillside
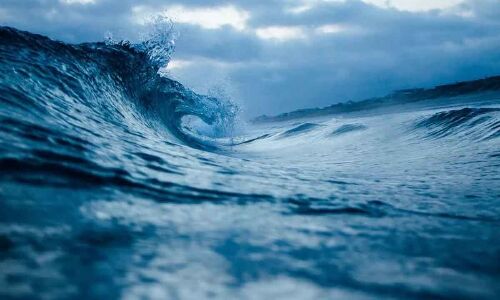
395, 98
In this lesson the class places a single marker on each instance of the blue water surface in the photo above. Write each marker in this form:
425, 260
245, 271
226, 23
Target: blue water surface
106, 192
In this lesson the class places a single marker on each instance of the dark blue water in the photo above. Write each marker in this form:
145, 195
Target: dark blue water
108, 191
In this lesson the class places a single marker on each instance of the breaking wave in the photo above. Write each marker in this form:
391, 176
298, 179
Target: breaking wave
114, 82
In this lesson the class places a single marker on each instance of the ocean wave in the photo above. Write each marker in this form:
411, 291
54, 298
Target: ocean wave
347, 128
474, 123
300, 129
111, 83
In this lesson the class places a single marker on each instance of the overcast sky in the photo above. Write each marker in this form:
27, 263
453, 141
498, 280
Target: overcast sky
275, 56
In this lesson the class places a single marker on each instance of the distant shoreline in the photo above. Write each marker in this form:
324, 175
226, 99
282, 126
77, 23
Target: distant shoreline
407, 96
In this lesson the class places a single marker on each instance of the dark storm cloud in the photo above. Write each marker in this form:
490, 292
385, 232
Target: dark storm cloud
374, 50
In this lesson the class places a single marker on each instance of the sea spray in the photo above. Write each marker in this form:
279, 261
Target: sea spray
157, 38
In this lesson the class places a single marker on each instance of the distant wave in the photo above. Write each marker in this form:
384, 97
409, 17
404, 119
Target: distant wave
348, 128
302, 128
477, 123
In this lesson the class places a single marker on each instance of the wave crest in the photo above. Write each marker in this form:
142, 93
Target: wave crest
477, 123
116, 82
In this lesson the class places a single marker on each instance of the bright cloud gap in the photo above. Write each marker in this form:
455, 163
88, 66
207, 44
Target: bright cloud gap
205, 17
78, 1
280, 33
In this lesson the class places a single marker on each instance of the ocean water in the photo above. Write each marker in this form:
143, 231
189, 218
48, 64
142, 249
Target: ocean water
108, 190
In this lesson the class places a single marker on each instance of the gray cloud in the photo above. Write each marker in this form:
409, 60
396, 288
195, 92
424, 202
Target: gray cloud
380, 49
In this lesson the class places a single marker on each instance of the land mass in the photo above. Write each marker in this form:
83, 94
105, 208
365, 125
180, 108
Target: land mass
406, 96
